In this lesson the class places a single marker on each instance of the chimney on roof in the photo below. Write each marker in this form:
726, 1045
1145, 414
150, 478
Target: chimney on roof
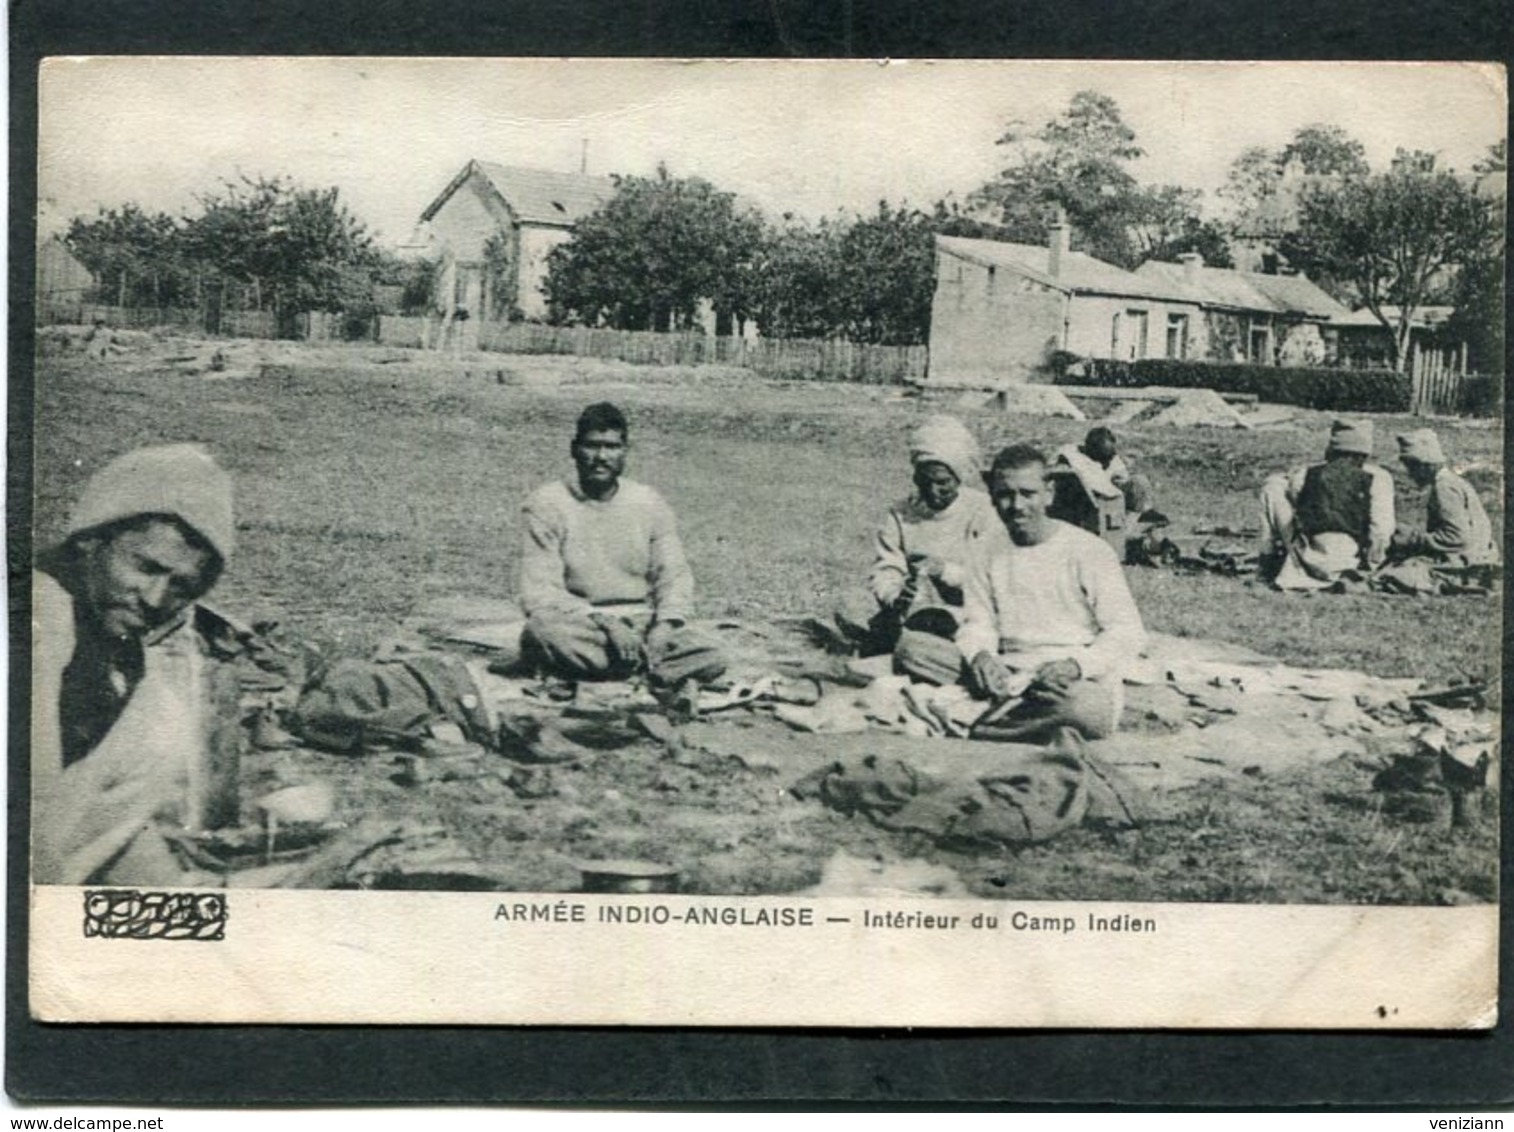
1193, 265
1056, 248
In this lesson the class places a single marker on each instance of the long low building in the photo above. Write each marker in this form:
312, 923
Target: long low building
1001, 310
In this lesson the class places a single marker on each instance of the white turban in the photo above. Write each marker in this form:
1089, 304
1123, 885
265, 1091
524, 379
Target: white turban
946, 440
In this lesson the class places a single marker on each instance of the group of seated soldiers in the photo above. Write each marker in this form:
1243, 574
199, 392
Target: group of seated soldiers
981, 586
1334, 520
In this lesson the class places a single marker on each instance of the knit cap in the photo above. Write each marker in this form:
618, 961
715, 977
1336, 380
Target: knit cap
1353, 437
1423, 445
946, 440
172, 479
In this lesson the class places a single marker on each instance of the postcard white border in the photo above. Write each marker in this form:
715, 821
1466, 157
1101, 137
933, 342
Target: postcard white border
466, 958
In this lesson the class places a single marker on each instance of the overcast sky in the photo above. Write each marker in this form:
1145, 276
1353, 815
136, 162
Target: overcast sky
807, 137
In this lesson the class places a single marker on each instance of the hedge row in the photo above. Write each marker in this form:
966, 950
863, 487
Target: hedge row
1482, 395
1337, 390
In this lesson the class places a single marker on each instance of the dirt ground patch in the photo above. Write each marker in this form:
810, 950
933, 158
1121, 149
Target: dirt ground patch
372, 482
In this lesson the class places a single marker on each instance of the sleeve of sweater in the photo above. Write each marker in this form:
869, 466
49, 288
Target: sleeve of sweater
1296, 483
671, 582
543, 581
890, 564
980, 614
1118, 471
1380, 521
1449, 514
1121, 634
982, 522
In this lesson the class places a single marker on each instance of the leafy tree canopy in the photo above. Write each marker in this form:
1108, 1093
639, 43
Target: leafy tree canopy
1078, 162
136, 256
1318, 150
888, 267
1323, 150
656, 248
1393, 237
301, 248
288, 248
1496, 160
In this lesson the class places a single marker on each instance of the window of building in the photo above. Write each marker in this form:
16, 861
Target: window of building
1135, 335
1260, 343
1177, 336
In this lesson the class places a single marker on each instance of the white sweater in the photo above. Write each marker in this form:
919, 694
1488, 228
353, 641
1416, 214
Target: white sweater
1064, 598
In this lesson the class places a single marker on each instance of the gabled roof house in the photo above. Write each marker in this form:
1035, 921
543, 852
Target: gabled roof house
531, 210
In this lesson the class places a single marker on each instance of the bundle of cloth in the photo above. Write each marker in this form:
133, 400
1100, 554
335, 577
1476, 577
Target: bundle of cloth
1007, 794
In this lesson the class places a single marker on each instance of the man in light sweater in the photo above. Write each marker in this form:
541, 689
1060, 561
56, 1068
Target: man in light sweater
604, 583
1047, 619
1456, 530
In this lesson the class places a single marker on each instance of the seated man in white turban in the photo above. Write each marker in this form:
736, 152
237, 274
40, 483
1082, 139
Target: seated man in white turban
1325, 519
1456, 531
922, 552
119, 695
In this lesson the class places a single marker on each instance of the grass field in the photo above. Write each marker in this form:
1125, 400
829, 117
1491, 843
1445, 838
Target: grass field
366, 489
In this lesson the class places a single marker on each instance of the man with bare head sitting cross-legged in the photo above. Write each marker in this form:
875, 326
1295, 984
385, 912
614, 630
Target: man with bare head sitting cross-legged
1048, 620
604, 583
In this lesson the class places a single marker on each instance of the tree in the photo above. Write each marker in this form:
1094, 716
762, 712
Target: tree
1253, 180
867, 279
415, 278
1496, 160
1478, 294
1076, 161
1393, 237
1325, 151
1478, 318
656, 248
1257, 176
887, 272
499, 278
137, 257
1164, 223
798, 280
949, 217
295, 249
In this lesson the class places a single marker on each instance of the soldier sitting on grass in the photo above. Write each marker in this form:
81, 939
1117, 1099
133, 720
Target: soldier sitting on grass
604, 583
1049, 625
1456, 530
1325, 520
118, 666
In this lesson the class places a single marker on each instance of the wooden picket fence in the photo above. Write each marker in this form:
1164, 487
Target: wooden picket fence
190, 320
783, 358
1440, 384
790, 359
53, 312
